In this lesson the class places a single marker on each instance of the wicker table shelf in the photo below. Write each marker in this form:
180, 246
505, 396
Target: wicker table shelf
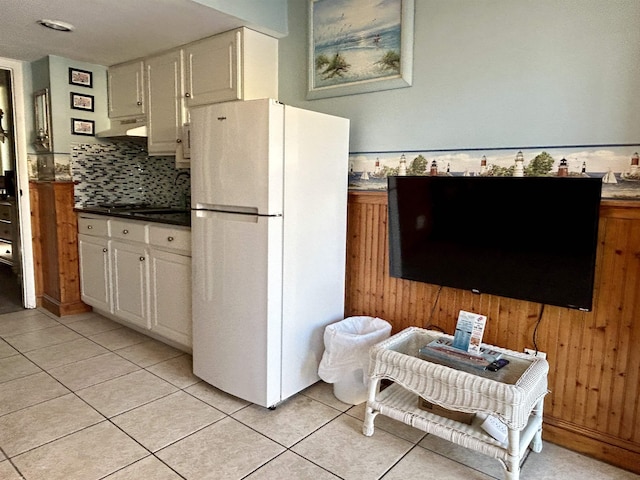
514, 394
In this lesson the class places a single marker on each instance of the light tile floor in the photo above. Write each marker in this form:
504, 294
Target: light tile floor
82, 397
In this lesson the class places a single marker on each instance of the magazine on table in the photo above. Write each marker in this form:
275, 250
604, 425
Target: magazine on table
443, 349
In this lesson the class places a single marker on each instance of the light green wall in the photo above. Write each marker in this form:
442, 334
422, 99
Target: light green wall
270, 15
61, 102
52, 72
39, 73
495, 73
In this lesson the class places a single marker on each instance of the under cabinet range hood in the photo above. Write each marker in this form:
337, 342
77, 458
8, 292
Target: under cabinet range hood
131, 127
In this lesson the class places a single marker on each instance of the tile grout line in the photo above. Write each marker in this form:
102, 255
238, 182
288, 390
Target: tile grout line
182, 389
8, 459
74, 392
179, 389
104, 417
339, 415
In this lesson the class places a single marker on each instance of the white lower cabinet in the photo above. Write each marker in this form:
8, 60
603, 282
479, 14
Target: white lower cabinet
95, 271
138, 273
130, 285
170, 295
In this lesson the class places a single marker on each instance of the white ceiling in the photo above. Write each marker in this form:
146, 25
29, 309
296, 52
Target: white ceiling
106, 31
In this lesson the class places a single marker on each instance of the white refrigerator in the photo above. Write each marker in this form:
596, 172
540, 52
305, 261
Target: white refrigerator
269, 207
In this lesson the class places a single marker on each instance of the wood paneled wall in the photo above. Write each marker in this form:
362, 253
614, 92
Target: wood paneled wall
594, 356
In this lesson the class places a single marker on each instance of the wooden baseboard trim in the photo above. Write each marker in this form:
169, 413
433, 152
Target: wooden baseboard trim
63, 309
582, 442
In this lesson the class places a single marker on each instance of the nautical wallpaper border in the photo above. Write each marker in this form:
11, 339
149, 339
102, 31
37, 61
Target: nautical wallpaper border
617, 165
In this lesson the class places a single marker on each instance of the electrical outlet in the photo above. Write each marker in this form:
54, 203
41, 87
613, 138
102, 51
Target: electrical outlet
530, 351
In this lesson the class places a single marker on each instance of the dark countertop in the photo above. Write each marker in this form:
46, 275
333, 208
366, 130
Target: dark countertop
179, 217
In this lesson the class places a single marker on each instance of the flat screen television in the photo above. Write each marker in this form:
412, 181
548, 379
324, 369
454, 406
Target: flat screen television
529, 238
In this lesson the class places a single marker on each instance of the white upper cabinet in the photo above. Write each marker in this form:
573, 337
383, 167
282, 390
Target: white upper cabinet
258, 66
165, 114
211, 70
126, 90
236, 65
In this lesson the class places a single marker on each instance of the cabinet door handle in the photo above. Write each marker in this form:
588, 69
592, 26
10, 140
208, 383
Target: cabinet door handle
142, 259
89, 227
170, 239
138, 103
179, 140
104, 250
188, 95
125, 231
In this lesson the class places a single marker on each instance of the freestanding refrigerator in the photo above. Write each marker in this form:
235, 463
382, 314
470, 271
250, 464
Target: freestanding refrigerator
269, 201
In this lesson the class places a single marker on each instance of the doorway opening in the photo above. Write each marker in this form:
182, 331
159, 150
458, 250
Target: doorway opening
11, 287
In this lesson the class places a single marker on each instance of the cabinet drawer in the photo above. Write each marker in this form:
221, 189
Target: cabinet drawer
6, 250
170, 237
5, 212
97, 227
5, 231
135, 232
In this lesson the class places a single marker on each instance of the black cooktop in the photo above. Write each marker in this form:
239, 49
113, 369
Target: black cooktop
126, 206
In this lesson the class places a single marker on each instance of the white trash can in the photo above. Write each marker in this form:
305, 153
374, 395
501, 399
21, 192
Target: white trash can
345, 361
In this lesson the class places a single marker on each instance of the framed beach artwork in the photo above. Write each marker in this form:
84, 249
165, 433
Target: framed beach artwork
359, 46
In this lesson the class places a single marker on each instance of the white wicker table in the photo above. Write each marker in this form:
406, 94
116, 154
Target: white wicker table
514, 394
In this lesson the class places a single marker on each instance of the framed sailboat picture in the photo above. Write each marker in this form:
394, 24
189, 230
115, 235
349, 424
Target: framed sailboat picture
359, 46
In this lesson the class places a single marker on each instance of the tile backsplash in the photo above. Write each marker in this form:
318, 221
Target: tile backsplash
122, 172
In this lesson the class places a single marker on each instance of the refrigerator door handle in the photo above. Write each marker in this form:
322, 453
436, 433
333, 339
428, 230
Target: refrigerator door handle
233, 216
227, 208
201, 209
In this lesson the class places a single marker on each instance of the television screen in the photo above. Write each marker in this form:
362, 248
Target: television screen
529, 238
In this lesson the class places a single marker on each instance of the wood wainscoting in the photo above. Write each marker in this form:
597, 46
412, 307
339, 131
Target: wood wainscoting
594, 357
55, 248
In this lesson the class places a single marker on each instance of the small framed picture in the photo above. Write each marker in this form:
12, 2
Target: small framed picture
80, 77
80, 101
82, 127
